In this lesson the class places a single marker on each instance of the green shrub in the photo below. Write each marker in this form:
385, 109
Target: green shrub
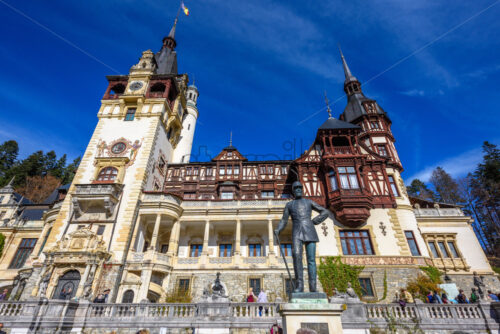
421, 286
332, 273
433, 273
178, 296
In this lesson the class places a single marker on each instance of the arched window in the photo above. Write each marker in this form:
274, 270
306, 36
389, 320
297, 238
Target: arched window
117, 89
128, 296
333, 180
67, 285
108, 174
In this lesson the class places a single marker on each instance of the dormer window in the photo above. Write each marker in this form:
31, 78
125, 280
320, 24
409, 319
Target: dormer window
229, 154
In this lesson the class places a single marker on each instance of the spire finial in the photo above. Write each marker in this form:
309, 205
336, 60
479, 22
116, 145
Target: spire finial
328, 106
231, 138
347, 71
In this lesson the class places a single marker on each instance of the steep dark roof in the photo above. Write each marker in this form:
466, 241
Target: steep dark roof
32, 213
355, 109
54, 196
23, 200
333, 123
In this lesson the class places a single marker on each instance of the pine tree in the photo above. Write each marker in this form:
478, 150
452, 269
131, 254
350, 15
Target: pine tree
9, 151
446, 187
419, 189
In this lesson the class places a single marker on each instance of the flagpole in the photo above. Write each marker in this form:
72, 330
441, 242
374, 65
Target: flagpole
178, 11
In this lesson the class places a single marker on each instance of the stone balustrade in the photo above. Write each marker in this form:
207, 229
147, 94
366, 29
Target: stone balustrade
438, 212
57, 315
236, 204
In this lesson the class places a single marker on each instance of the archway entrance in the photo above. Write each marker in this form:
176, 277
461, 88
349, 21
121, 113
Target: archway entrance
67, 285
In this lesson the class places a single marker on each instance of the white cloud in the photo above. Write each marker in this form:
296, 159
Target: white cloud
414, 92
457, 166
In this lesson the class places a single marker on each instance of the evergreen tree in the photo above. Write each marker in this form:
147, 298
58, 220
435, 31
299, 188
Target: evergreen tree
446, 187
8, 158
419, 189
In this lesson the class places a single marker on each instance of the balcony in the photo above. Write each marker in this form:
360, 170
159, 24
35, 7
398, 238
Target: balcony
351, 206
345, 150
96, 201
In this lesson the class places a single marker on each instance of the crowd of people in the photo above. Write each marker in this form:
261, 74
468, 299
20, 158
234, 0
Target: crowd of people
433, 297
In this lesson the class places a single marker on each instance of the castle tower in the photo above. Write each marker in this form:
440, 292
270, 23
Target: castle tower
182, 153
376, 132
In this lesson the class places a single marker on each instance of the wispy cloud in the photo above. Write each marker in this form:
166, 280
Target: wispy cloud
456, 166
422, 93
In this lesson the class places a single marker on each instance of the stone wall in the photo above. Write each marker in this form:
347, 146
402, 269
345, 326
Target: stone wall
466, 282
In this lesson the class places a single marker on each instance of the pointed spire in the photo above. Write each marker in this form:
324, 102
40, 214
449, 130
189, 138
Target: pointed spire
328, 106
172, 31
231, 139
347, 72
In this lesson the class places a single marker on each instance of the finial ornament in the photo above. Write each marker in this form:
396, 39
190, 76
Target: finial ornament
231, 138
328, 106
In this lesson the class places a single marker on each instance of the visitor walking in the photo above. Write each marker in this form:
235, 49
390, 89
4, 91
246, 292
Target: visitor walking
461, 298
62, 294
251, 298
4, 294
474, 298
106, 294
430, 298
444, 298
436, 297
492, 296
262, 298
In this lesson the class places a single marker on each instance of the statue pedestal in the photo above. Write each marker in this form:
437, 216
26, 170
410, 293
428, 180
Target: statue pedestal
312, 311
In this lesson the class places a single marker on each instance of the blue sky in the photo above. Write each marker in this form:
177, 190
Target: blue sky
261, 68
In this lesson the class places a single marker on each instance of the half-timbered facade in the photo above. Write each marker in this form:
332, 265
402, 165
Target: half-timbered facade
143, 221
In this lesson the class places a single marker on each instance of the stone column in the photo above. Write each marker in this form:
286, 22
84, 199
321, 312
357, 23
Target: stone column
237, 240
270, 234
145, 279
174, 239
205, 238
134, 242
156, 230
81, 285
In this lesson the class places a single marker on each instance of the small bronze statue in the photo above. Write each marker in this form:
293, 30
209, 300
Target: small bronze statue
303, 233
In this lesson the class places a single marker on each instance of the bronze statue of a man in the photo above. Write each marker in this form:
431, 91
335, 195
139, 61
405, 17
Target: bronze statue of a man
303, 233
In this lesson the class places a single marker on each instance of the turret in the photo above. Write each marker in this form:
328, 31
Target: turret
182, 152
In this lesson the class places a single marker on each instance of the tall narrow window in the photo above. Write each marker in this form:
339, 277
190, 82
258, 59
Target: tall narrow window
254, 250
393, 185
209, 171
222, 170
356, 243
333, 180
366, 287
453, 249
130, 114
101, 229
184, 285
196, 250
255, 284
382, 150
348, 178
432, 247
229, 170
196, 171
443, 250
23, 251
374, 125
287, 249
236, 170
225, 250
189, 171
412, 243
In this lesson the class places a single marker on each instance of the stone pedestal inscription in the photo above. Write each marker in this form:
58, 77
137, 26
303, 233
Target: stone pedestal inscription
318, 327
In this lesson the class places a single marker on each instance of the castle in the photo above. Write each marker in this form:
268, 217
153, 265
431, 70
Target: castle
143, 222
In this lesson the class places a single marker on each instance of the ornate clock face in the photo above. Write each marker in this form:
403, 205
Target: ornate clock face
118, 148
136, 85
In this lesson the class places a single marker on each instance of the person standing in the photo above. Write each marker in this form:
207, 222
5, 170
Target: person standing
262, 298
437, 298
4, 294
62, 294
251, 297
407, 296
430, 298
461, 299
474, 298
